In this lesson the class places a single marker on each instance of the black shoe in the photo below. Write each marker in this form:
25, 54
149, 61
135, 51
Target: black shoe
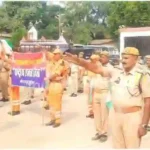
96, 137
103, 138
14, 113
4, 100
80, 91
74, 95
50, 123
90, 116
148, 128
56, 125
32, 97
27, 102
46, 107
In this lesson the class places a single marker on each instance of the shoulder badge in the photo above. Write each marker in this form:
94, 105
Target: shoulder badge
140, 72
62, 63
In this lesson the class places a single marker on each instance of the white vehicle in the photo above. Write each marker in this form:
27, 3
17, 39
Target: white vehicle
78, 45
135, 37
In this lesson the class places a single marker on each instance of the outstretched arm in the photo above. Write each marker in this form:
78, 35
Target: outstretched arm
84, 63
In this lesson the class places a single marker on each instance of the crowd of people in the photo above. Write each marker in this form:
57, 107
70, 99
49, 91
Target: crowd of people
126, 85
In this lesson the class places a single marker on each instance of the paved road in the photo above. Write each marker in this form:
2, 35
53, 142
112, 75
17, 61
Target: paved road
27, 131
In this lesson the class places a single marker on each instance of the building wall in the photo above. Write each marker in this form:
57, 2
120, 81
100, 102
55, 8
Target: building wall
5, 36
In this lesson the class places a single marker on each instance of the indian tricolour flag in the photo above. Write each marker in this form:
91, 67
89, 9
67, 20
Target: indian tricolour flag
7, 46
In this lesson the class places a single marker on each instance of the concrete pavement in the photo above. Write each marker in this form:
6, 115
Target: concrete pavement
27, 131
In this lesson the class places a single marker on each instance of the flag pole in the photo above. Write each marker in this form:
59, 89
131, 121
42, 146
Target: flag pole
43, 111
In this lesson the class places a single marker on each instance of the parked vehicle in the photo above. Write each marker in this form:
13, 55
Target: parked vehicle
111, 49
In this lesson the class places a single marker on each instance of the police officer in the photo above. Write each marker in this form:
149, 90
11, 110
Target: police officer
81, 73
129, 88
74, 79
147, 70
4, 77
56, 88
90, 87
101, 88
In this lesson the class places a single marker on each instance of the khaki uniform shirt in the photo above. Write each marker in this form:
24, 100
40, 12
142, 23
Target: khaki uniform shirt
125, 88
74, 69
4, 66
92, 76
58, 68
102, 83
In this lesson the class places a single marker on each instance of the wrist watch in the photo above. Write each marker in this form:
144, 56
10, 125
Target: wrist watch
144, 126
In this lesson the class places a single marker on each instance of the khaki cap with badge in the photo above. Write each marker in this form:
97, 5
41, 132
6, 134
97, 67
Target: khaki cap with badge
131, 51
105, 53
94, 57
81, 54
57, 51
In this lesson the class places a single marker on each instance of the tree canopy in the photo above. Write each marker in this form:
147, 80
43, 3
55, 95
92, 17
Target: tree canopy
80, 22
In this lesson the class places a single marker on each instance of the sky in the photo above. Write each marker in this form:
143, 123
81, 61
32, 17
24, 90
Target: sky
0, 2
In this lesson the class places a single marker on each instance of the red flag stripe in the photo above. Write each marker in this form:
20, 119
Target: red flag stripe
27, 56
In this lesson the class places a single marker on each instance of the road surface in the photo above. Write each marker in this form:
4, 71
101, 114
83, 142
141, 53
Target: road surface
26, 130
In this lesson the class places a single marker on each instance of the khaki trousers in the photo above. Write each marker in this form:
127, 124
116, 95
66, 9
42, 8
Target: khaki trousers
28, 93
125, 129
4, 79
90, 96
100, 112
80, 83
55, 101
74, 83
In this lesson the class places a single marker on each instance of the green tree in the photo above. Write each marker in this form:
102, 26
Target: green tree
84, 21
17, 36
129, 14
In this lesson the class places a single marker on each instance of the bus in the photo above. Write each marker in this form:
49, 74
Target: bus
111, 49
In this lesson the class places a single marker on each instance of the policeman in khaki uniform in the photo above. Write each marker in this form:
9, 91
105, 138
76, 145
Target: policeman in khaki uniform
101, 88
91, 75
129, 88
147, 69
4, 77
81, 73
74, 79
55, 93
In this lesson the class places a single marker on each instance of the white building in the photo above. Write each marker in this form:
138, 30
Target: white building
32, 34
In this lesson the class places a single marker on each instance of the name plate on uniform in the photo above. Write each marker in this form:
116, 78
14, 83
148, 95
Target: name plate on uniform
29, 72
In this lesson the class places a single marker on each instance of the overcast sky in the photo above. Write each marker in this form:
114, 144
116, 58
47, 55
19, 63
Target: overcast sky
0, 2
